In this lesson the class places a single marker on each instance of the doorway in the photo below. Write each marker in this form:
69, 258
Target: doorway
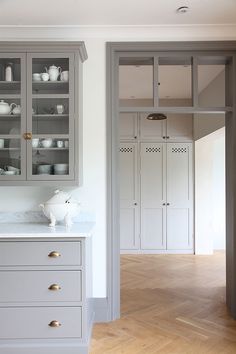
166, 55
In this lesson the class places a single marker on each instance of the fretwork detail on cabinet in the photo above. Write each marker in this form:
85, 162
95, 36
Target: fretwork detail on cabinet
40, 115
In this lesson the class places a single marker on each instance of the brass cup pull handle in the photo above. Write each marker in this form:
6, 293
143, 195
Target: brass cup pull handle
54, 324
27, 136
54, 254
54, 287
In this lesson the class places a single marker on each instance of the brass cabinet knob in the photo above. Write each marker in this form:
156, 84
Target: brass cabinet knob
54, 287
54, 324
54, 254
27, 136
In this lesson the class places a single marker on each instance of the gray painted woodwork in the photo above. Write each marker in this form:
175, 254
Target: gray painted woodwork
222, 51
27, 306
75, 53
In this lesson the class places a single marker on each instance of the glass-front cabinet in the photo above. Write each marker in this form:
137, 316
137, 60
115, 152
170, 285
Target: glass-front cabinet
39, 118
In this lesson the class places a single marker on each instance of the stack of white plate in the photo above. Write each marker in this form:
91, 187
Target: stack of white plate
61, 169
44, 169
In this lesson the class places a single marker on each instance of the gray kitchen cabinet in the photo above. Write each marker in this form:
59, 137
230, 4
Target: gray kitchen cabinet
45, 305
154, 130
41, 138
128, 126
153, 196
129, 197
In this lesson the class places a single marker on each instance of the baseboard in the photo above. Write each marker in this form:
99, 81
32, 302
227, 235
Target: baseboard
157, 252
100, 307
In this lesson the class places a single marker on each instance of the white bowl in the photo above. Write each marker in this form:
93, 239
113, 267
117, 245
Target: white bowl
44, 169
47, 143
9, 173
60, 166
35, 142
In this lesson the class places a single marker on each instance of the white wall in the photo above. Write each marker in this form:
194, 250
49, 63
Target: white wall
210, 193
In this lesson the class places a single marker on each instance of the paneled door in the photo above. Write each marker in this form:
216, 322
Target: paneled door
179, 196
153, 196
128, 126
12, 117
51, 116
129, 199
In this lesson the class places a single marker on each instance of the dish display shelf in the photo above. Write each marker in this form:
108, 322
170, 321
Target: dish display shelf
39, 117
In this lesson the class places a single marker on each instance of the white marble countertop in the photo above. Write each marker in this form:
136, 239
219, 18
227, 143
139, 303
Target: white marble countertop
30, 230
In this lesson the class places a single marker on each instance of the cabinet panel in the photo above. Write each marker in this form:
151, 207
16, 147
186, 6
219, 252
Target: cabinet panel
152, 129
128, 126
179, 196
129, 214
180, 127
153, 195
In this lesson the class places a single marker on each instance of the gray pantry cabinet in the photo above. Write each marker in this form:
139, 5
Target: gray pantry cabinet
45, 297
41, 115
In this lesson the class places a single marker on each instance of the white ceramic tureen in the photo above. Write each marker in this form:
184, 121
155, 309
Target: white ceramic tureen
60, 207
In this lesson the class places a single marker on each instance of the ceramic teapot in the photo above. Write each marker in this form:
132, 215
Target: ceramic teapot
60, 207
6, 108
16, 109
53, 72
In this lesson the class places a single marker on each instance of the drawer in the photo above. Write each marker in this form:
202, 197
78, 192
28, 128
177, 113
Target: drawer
40, 286
40, 253
33, 322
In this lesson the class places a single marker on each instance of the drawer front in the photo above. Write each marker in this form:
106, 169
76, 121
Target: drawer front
40, 253
34, 322
40, 286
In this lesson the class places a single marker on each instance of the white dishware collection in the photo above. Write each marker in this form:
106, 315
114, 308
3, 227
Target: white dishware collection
53, 73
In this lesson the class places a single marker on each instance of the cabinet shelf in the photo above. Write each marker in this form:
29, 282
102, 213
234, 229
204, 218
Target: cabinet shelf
49, 116
51, 149
50, 95
7, 116
11, 149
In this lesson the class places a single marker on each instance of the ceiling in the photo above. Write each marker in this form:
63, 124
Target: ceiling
113, 12
136, 82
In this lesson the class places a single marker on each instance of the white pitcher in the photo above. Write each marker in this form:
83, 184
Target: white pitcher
53, 72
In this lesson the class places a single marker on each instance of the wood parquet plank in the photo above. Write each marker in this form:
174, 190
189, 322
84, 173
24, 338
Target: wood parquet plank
170, 304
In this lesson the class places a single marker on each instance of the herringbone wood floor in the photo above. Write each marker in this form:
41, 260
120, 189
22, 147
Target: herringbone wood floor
170, 305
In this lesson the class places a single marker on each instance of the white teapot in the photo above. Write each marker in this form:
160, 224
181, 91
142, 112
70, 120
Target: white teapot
60, 207
6, 108
53, 72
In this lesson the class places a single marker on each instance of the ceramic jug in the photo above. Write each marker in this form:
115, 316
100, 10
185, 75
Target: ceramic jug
53, 72
6, 108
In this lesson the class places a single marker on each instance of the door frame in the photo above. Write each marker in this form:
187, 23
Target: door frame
221, 48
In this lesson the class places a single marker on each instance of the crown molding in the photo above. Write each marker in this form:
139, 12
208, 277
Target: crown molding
148, 32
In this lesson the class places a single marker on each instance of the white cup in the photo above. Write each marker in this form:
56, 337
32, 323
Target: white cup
1, 143
64, 76
45, 76
60, 108
36, 77
35, 142
60, 143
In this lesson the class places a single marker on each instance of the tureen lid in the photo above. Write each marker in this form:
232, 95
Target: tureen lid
59, 197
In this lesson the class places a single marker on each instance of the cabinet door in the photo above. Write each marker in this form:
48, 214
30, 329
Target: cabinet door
180, 127
153, 196
51, 117
129, 201
152, 129
12, 117
128, 126
179, 196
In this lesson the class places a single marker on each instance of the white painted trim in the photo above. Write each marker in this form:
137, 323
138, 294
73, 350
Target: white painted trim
128, 32
156, 252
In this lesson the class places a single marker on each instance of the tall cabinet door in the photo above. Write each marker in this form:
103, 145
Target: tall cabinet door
179, 196
129, 203
153, 196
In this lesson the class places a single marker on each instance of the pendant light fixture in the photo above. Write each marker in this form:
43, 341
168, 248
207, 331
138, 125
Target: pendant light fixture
156, 116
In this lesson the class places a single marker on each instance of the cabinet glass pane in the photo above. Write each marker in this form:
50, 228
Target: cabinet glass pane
175, 82
136, 82
50, 75
12, 109
211, 83
51, 144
